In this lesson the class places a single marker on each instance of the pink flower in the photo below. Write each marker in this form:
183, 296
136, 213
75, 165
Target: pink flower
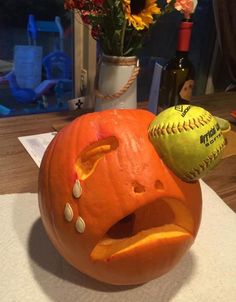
186, 7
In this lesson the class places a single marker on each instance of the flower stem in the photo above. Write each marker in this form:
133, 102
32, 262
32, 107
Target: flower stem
123, 37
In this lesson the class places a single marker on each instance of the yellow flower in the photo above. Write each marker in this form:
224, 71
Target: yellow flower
140, 13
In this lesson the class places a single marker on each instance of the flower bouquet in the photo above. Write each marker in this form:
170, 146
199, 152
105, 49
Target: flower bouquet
121, 25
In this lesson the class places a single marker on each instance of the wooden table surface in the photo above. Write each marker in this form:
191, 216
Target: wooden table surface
19, 173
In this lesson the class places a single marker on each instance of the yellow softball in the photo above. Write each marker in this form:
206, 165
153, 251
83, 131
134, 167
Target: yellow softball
188, 139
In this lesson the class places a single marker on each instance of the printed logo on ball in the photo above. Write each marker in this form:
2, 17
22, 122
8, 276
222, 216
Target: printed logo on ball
210, 136
182, 109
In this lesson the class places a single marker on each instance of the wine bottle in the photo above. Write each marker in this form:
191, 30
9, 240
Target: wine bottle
178, 73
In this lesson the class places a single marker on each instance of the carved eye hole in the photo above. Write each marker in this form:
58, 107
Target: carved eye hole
90, 156
159, 185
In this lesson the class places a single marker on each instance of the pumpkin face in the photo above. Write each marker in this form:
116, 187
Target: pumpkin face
110, 205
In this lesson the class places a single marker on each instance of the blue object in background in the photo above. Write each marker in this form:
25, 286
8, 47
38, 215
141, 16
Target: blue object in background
32, 30
22, 95
57, 65
4, 111
155, 88
34, 26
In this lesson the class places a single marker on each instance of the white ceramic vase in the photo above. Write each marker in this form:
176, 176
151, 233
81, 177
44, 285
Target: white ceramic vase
116, 83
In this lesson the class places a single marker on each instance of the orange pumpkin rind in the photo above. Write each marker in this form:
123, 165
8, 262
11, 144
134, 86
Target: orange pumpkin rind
110, 205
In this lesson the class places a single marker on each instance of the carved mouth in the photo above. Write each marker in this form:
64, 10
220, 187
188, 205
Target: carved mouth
161, 223
158, 223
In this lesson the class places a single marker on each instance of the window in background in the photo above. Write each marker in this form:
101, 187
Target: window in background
36, 57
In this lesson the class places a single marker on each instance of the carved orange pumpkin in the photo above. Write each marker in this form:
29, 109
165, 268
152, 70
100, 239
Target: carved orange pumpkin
110, 205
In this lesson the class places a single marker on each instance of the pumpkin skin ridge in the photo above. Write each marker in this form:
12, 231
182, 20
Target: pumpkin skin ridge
67, 251
58, 242
47, 157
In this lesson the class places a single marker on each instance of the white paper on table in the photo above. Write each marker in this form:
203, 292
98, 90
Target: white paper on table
33, 271
36, 145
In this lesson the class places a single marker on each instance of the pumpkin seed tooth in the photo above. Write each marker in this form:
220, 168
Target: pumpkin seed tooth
77, 189
68, 212
80, 225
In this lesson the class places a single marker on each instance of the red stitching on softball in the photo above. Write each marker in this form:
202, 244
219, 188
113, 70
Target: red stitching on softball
191, 124
204, 164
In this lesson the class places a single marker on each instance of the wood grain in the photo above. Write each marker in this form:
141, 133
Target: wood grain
19, 173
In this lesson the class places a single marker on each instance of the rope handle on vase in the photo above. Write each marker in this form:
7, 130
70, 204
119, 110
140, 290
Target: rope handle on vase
116, 95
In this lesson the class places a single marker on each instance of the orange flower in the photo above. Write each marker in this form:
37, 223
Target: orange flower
140, 15
187, 7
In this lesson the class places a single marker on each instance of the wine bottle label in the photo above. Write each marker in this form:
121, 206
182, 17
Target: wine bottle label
186, 91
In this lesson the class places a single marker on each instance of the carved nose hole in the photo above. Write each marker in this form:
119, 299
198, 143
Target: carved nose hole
159, 185
138, 188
